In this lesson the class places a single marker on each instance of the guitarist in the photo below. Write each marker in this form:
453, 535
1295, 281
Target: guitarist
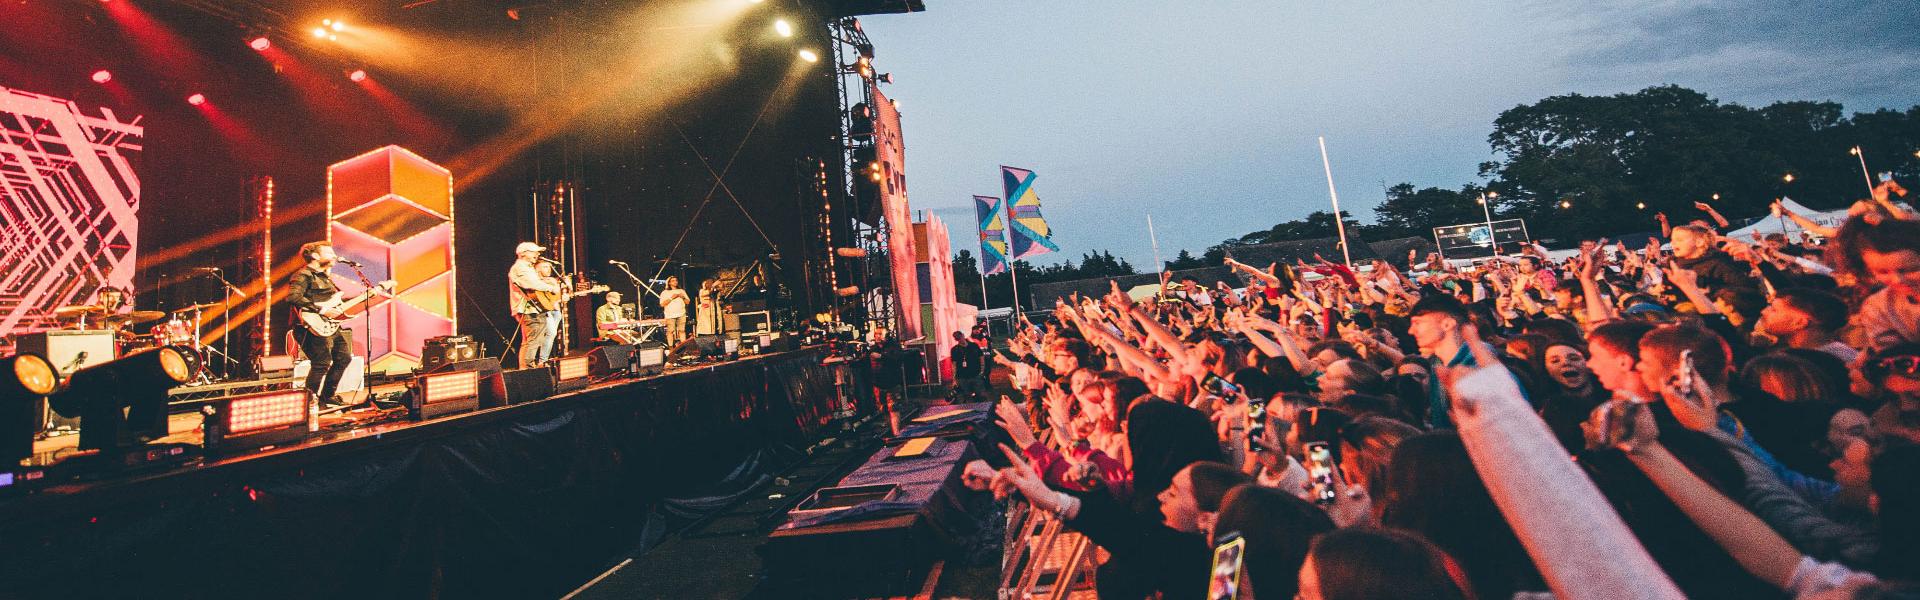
329, 355
538, 327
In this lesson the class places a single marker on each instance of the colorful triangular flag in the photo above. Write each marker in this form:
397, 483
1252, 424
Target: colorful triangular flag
1028, 233
993, 235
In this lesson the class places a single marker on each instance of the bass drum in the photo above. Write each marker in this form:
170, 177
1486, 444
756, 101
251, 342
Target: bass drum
196, 363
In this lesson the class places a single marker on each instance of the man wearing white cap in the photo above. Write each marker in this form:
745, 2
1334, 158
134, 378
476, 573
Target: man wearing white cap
538, 326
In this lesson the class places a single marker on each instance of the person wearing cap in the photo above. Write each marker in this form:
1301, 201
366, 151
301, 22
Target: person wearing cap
538, 327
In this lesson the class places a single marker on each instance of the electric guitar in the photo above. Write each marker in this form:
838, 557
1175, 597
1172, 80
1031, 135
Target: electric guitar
322, 325
548, 301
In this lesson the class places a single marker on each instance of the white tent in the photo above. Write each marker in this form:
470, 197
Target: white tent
1769, 225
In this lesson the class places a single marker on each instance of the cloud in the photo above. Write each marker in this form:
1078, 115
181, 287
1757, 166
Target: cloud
1753, 51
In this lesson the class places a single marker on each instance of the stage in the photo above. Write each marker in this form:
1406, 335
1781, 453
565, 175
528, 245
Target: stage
520, 501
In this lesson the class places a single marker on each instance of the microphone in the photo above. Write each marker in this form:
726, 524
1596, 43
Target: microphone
350, 262
543, 258
207, 269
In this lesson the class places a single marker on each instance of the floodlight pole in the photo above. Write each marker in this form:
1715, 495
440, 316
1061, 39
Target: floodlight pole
1486, 208
1340, 224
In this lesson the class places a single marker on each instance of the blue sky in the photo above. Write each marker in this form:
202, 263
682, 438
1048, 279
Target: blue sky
1204, 112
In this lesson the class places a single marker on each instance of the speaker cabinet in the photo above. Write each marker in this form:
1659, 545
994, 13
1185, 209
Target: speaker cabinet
605, 361
516, 386
69, 351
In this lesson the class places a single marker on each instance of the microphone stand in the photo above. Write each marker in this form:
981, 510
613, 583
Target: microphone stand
639, 285
227, 290
366, 324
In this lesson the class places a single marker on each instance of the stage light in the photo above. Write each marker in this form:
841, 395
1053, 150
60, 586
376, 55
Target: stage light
339, 26
25, 382
571, 372
1566, 204
1640, 205
848, 292
136, 382
358, 75
320, 32
1716, 197
102, 76
256, 420
809, 56
1789, 177
443, 394
783, 27
260, 44
197, 99
850, 252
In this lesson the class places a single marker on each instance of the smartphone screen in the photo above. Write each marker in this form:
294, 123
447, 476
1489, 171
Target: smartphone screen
1256, 424
1320, 472
1219, 386
1229, 556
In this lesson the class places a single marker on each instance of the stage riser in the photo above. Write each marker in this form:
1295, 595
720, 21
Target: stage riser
523, 502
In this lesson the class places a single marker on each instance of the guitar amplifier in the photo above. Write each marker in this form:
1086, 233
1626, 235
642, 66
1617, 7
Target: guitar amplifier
438, 351
69, 351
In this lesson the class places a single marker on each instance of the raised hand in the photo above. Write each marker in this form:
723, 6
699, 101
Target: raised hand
1014, 422
1703, 207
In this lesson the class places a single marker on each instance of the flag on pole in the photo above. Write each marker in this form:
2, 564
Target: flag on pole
1028, 231
993, 235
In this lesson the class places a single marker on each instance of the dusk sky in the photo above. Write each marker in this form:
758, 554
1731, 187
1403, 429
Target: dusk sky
1204, 112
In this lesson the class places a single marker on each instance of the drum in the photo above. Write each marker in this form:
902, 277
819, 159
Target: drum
176, 332
196, 362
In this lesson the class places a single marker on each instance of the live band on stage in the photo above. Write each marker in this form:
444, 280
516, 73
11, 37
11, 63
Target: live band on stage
681, 328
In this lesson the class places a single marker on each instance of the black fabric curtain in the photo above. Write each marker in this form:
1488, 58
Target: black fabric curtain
525, 505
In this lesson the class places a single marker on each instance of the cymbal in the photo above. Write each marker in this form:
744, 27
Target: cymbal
76, 310
138, 316
197, 307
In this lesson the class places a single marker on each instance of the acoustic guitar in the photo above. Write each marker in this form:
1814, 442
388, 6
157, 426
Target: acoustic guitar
548, 301
323, 326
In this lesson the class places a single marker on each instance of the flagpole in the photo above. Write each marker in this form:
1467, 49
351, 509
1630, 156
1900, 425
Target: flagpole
1160, 266
1013, 266
1862, 154
1346, 256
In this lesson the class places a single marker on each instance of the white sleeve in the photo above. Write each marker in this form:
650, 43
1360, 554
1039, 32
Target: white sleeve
1812, 577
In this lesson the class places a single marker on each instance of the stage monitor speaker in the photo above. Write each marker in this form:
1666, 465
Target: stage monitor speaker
69, 351
700, 346
607, 361
516, 386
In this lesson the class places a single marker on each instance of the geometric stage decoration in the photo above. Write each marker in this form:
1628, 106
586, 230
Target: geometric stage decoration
392, 211
69, 200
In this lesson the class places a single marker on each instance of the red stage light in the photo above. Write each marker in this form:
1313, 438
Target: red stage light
260, 44
197, 99
357, 75
102, 76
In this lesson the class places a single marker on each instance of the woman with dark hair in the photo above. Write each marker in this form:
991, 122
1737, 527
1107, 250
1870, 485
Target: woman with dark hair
1432, 489
1378, 564
1569, 390
1279, 529
1366, 450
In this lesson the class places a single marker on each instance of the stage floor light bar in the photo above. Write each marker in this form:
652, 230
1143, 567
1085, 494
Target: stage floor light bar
256, 420
443, 394
572, 373
652, 357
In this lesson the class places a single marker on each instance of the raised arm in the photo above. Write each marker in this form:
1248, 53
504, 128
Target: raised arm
1582, 547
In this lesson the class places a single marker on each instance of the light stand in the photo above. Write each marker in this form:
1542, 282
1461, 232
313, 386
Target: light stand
640, 289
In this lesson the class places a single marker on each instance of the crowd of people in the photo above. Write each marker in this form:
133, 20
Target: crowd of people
1701, 417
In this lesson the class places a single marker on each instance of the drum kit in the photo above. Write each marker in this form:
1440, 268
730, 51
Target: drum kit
180, 330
